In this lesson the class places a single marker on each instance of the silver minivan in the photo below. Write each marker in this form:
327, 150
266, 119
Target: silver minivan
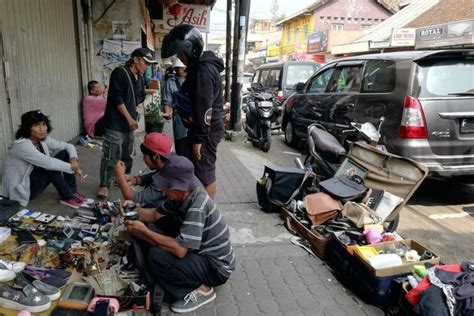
426, 97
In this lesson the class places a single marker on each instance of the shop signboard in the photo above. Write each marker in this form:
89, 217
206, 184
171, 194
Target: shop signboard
273, 50
317, 42
451, 34
195, 15
404, 37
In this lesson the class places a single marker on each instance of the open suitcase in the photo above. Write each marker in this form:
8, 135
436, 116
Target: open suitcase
398, 175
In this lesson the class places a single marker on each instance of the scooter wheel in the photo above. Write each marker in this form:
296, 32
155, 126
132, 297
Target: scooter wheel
266, 146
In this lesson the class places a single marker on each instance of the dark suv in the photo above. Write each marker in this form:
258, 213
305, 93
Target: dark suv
426, 97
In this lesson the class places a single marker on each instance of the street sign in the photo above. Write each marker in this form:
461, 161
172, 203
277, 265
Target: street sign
403, 37
195, 15
457, 33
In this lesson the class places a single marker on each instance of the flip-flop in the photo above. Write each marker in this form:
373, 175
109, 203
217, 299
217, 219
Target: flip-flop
102, 196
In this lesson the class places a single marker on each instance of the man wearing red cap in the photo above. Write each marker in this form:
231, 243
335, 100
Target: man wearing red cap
156, 149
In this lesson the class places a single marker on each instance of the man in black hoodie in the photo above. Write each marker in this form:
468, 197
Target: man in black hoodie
203, 88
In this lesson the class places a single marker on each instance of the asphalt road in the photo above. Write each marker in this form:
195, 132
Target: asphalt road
440, 215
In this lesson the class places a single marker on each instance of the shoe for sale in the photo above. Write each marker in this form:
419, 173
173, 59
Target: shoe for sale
83, 199
12, 265
6, 275
28, 299
193, 300
73, 202
22, 280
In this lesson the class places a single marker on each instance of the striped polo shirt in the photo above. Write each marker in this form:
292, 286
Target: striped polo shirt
205, 231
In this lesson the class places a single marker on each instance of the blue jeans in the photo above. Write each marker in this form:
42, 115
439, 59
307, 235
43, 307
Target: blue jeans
117, 146
65, 183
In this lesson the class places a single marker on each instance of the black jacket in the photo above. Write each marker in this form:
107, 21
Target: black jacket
204, 88
120, 92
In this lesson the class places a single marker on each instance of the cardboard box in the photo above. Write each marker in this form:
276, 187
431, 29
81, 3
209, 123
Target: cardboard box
406, 267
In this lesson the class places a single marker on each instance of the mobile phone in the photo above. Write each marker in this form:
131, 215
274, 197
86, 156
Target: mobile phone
25, 237
46, 218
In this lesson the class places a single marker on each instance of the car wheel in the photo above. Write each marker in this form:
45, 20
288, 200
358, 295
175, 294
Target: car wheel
290, 137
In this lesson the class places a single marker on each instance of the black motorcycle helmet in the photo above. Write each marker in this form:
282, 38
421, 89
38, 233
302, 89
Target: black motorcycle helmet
185, 39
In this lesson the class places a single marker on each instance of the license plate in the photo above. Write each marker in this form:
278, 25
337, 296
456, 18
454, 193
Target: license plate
467, 125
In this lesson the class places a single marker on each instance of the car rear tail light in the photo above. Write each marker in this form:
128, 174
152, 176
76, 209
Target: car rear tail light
280, 96
413, 124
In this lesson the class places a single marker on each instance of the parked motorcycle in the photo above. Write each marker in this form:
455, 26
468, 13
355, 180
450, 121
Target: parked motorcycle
326, 152
258, 109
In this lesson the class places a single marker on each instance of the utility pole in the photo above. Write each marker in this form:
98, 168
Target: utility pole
242, 8
228, 50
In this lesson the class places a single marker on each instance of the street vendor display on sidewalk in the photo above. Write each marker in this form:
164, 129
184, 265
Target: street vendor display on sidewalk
345, 221
102, 255
85, 254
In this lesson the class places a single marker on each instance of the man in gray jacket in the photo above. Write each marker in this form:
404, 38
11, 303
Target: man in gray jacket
29, 167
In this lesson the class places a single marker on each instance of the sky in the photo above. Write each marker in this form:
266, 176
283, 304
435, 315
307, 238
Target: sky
259, 9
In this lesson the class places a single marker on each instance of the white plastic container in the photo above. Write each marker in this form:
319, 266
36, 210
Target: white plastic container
385, 261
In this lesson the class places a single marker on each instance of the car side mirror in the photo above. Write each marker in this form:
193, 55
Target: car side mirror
299, 87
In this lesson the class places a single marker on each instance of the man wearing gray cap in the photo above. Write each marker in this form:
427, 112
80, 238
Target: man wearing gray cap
126, 91
200, 257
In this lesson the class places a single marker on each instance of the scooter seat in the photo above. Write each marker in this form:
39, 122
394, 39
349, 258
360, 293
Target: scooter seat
326, 142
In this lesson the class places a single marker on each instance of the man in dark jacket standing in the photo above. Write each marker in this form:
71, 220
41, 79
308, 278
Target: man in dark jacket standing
203, 87
126, 91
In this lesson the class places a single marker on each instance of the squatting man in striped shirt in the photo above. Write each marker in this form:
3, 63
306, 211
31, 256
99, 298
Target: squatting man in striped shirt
201, 256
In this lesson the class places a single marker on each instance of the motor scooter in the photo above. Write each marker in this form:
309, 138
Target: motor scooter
258, 110
326, 152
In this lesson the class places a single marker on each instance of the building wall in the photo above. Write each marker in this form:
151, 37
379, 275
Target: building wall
354, 15
40, 46
295, 33
109, 52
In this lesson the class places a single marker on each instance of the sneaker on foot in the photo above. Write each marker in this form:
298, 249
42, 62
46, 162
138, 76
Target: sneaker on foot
193, 301
22, 280
12, 265
6, 275
29, 299
73, 202
83, 199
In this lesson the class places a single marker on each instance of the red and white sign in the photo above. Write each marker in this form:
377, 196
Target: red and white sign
403, 37
195, 15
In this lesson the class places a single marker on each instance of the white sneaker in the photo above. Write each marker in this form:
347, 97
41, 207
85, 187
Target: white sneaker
12, 265
6, 275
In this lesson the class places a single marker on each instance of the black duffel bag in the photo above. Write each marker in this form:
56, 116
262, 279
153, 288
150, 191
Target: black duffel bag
277, 185
344, 188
